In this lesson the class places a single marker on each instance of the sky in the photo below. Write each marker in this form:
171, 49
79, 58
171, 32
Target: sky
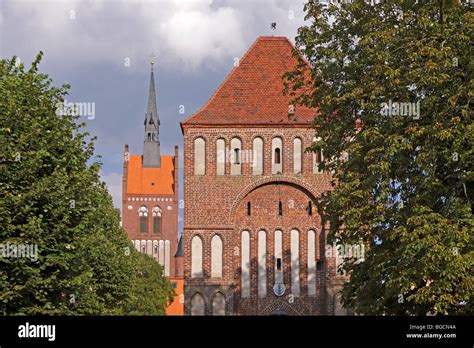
103, 48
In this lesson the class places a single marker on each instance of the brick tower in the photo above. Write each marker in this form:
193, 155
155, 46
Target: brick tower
253, 240
150, 200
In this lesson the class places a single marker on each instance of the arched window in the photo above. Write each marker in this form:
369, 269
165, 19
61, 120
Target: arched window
311, 263
262, 264
155, 250
197, 304
196, 257
277, 153
221, 157
297, 156
137, 245
167, 258
199, 156
245, 264
143, 246
257, 162
237, 156
317, 158
218, 304
143, 214
216, 257
149, 247
235, 161
161, 253
295, 262
278, 257
157, 220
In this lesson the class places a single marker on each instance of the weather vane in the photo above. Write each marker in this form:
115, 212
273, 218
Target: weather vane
152, 60
274, 26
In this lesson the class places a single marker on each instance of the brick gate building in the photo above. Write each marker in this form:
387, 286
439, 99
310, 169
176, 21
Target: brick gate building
253, 241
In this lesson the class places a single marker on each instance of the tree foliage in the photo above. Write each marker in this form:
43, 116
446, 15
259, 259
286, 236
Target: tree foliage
406, 188
51, 196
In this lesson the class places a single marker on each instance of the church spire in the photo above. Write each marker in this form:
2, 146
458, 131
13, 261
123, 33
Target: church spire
151, 144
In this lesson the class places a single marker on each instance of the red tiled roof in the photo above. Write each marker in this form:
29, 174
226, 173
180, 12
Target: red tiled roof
253, 91
158, 181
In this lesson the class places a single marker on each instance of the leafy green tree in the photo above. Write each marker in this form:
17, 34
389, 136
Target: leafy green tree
146, 295
52, 198
406, 187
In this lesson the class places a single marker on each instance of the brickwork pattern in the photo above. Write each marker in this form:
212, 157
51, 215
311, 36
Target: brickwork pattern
217, 204
169, 205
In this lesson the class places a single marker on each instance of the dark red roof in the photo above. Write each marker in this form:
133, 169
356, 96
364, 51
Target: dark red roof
253, 91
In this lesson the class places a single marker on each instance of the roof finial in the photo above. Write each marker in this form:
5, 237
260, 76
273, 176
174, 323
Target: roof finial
152, 60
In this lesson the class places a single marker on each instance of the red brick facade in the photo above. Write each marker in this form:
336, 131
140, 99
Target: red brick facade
168, 204
226, 205
150, 203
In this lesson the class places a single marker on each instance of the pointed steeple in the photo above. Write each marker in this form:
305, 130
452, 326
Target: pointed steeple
151, 144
